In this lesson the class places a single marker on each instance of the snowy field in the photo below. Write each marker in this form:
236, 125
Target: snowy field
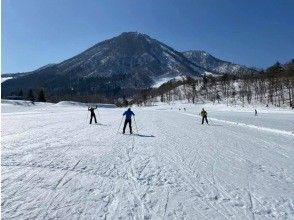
5, 78
57, 166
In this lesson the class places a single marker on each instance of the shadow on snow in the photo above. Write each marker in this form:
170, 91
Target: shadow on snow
141, 135
100, 124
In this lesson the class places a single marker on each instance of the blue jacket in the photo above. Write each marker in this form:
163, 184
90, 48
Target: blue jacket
128, 114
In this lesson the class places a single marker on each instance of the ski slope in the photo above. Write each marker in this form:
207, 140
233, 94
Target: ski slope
57, 166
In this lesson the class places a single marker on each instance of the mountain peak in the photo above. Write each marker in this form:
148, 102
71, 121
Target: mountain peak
129, 60
198, 53
133, 34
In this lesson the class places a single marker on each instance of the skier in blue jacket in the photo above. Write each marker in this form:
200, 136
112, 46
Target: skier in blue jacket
128, 120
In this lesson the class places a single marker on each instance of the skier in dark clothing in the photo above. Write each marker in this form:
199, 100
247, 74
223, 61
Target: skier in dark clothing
204, 116
92, 114
128, 120
255, 111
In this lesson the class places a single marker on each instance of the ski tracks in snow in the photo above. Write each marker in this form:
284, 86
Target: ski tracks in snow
261, 151
173, 169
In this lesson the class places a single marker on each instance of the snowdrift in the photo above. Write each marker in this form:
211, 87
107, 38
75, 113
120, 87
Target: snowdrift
23, 103
11, 106
71, 103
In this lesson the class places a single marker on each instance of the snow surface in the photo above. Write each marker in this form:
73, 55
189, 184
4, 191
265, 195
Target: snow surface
12, 106
57, 166
3, 79
160, 81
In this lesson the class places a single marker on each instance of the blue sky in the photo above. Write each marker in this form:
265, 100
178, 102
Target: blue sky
254, 33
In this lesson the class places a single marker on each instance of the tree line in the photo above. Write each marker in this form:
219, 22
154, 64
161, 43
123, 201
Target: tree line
273, 86
31, 95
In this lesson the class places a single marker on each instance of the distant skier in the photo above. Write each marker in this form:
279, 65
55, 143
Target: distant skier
204, 116
91, 109
128, 120
255, 112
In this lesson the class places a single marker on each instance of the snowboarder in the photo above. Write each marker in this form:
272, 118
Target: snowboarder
128, 120
91, 109
255, 112
204, 116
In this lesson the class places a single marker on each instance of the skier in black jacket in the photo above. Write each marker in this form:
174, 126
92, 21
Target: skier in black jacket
204, 116
91, 109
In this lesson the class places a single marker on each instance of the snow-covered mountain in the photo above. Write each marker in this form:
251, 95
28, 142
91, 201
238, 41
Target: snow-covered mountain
213, 64
130, 53
130, 60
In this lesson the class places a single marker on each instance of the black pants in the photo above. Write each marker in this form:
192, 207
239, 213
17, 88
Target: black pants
93, 116
128, 121
204, 117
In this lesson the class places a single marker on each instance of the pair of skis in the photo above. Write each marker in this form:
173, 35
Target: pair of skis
121, 123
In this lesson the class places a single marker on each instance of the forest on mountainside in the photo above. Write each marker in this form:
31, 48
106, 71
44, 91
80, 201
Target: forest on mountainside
273, 86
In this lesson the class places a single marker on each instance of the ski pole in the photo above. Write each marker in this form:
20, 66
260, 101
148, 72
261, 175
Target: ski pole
136, 125
120, 124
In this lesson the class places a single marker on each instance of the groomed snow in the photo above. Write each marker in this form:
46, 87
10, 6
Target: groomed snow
57, 166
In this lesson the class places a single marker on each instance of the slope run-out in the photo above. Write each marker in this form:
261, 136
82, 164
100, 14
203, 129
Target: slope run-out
56, 165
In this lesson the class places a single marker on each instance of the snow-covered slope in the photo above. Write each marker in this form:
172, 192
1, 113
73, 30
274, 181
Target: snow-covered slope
131, 53
8, 106
57, 166
12, 106
3, 79
71, 103
161, 81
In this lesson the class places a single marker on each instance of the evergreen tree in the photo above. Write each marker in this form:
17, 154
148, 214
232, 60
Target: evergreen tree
41, 96
31, 96
20, 93
125, 101
274, 69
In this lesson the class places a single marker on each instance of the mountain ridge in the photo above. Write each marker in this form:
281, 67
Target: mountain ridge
213, 64
129, 60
